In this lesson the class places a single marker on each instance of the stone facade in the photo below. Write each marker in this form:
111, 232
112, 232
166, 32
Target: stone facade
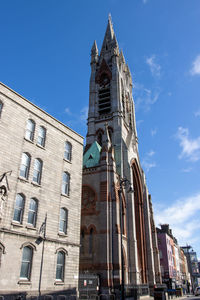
116, 234
40, 180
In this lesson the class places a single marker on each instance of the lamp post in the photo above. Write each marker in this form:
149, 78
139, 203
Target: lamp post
42, 239
124, 184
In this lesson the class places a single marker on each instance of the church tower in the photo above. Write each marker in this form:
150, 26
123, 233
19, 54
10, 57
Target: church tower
114, 221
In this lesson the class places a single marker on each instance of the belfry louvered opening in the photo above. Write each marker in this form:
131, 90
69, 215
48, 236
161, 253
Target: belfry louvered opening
104, 95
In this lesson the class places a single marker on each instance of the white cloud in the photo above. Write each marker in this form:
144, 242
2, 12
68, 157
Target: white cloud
147, 165
190, 147
183, 218
67, 111
155, 68
197, 113
153, 131
84, 113
195, 70
151, 153
144, 98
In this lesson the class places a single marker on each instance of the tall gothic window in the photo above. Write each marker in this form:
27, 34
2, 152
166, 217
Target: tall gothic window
25, 165
19, 208
26, 264
63, 220
41, 136
32, 213
65, 183
37, 171
91, 240
68, 151
104, 95
60, 266
30, 129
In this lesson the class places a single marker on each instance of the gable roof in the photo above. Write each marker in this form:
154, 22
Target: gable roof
92, 156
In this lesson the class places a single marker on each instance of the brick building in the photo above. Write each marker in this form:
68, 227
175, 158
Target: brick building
45, 158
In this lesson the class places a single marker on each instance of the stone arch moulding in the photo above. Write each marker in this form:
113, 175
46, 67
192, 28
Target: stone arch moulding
61, 249
92, 226
28, 244
139, 220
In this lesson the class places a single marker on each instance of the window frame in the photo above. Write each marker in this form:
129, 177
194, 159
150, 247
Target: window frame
29, 262
66, 184
19, 208
68, 151
38, 171
26, 165
41, 136
29, 133
34, 212
61, 278
63, 221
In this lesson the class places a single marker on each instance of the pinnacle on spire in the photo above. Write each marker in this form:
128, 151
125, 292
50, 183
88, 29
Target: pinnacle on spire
109, 35
122, 56
94, 50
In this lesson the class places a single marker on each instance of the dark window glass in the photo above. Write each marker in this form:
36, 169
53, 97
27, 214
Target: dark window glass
37, 171
19, 208
32, 213
25, 165
26, 263
60, 266
63, 220
65, 183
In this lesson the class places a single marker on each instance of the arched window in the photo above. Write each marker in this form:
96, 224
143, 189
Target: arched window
60, 267
1, 107
32, 213
41, 136
30, 129
26, 264
65, 183
68, 151
19, 208
37, 171
25, 165
91, 237
63, 220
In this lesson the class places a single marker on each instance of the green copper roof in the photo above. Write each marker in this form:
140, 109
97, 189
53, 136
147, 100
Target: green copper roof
92, 156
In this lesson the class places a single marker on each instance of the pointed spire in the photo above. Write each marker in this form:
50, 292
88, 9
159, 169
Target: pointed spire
94, 53
108, 38
94, 50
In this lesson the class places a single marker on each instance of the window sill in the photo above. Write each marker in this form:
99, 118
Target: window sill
62, 234
29, 226
30, 141
35, 184
68, 161
15, 223
64, 195
40, 146
57, 282
23, 179
24, 281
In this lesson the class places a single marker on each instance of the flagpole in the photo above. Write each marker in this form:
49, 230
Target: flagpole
42, 228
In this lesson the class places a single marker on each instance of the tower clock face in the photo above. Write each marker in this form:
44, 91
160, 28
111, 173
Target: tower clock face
88, 198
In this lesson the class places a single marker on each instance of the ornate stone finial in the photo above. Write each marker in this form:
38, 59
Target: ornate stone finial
94, 50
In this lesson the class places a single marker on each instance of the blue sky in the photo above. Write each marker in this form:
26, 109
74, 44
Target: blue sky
45, 56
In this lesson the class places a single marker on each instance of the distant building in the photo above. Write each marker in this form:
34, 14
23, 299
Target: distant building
173, 262
45, 158
193, 265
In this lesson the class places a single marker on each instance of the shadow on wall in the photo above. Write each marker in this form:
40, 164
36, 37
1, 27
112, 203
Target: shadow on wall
69, 294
